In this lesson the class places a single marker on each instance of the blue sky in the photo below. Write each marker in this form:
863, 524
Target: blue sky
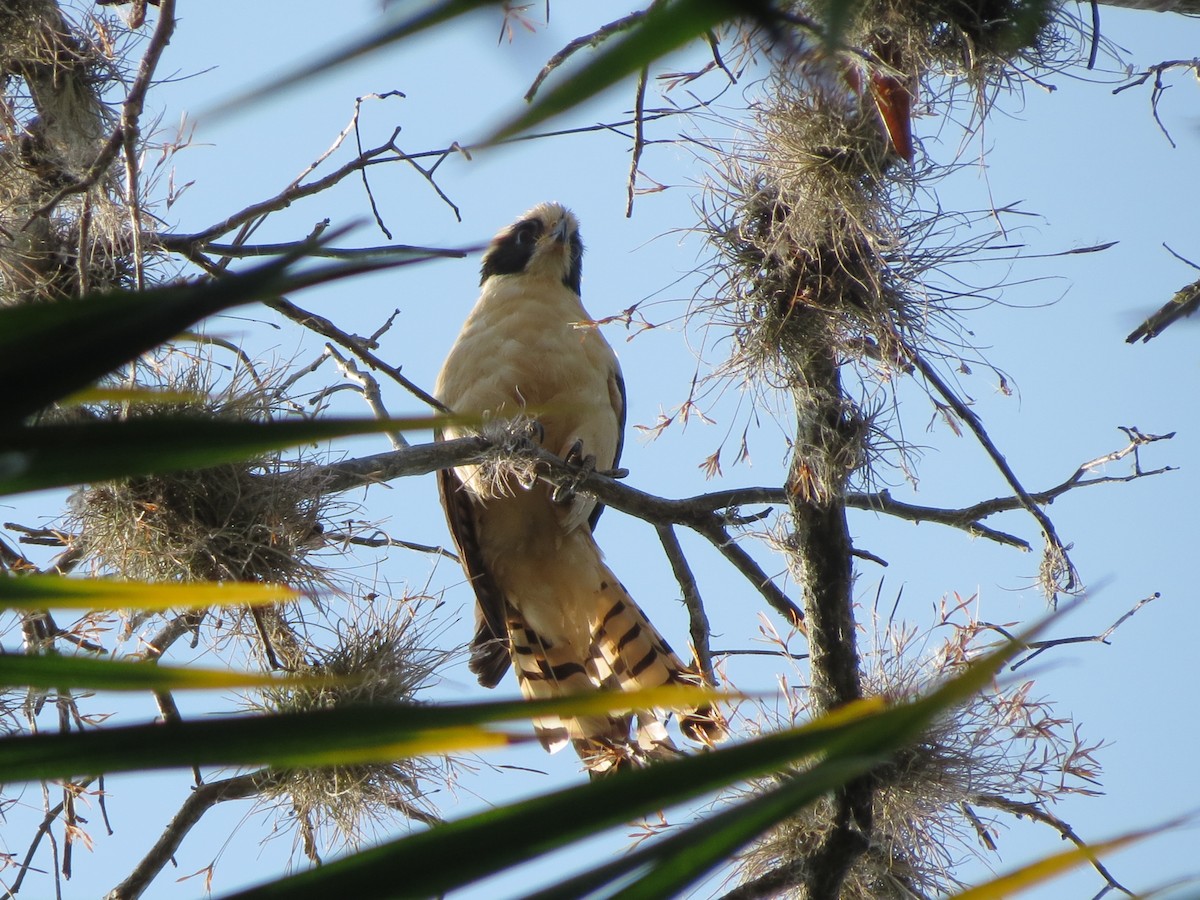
1088, 166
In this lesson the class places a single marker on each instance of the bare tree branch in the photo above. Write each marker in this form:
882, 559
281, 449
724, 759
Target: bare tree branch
968, 518
369, 388
383, 540
1185, 302
385, 153
319, 250
707, 514
1160, 87
697, 617
355, 345
200, 801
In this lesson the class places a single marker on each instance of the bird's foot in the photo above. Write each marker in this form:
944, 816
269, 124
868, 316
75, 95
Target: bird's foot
565, 493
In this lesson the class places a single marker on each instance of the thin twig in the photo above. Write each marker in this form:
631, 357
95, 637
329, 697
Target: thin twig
639, 138
1095, 42
594, 39
1061, 571
282, 200
1038, 813
775, 653
745, 563
376, 156
326, 328
319, 250
337, 537
429, 173
968, 518
1039, 647
358, 101
133, 204
43, 830
1179, 256
1157, 71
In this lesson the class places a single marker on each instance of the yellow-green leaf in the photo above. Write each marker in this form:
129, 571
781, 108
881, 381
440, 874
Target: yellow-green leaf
61, 672
32, 592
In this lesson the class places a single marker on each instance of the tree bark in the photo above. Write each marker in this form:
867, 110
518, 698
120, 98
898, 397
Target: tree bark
826, 452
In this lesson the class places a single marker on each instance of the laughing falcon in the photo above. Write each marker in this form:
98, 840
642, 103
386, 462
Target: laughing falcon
547, 603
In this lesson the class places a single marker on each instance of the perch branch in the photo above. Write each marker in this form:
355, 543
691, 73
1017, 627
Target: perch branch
708, 514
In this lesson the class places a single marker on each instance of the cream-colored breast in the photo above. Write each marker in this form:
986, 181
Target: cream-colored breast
520, 351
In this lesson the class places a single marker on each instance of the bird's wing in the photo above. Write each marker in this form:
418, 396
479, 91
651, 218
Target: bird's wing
489, 647
616, 394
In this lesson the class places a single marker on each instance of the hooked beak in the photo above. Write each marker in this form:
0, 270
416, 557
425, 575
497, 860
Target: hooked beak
561, 232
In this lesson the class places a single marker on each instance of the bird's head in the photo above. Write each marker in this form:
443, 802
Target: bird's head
543, 243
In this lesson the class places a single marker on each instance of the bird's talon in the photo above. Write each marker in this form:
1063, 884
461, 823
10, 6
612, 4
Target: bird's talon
575, 454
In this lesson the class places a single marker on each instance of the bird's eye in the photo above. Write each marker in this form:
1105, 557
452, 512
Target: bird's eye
526, 233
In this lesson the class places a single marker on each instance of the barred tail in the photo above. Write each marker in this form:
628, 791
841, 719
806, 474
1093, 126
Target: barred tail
638, 657
623, 651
